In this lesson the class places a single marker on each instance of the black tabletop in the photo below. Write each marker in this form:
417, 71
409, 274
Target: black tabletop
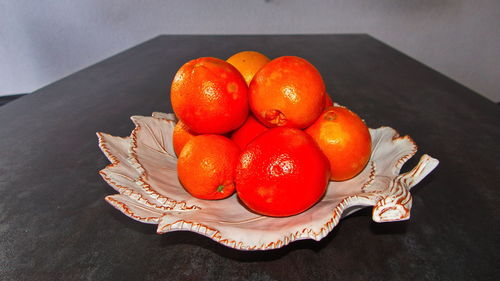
55, 225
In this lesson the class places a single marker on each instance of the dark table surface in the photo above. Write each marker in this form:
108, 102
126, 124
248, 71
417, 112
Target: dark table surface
55, 225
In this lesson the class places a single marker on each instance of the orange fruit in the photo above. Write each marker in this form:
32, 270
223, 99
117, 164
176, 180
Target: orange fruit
248, 63
345, 140
281, 173
210, 96
248, 131
288, 91
328, 101
181, 135
206, 166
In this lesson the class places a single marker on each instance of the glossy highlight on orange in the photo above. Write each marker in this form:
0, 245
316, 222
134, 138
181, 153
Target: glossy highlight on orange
282, 173
248, 63
210, 96
288, 91
345, 140
206, 166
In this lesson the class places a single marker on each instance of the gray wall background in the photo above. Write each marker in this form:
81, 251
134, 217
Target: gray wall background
43, 41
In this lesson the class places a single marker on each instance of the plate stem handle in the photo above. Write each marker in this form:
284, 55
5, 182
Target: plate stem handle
397, 205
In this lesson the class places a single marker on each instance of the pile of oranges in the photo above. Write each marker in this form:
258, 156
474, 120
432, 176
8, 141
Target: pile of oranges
266, 129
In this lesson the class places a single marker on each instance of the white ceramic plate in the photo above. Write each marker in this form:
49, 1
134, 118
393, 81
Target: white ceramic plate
143, 172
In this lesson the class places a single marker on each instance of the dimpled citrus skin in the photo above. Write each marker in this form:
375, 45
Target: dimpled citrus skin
206, 166
181, 135
281, 173
248, 132
345, 140
210, 96
248, 63
288, 91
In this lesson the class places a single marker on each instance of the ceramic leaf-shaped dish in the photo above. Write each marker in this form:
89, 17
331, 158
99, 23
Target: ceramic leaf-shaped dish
143, 172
